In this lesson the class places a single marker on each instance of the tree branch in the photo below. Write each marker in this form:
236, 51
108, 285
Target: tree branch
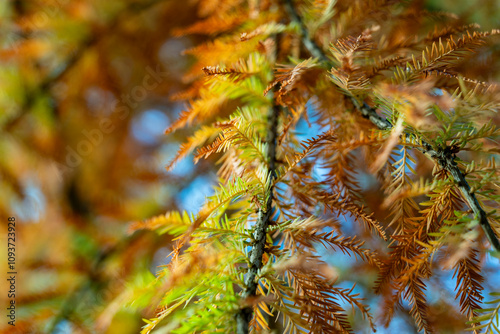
260, 233
308, 42
444, 157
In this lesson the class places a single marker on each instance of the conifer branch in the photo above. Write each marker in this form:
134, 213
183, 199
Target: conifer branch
444, 157
260, 233
308, 42
446, 160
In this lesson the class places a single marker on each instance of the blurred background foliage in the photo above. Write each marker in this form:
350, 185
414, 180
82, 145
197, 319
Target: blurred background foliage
87, 89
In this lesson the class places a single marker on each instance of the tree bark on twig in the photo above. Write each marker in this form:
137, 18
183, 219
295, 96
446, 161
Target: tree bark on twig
244, 316
260, 233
